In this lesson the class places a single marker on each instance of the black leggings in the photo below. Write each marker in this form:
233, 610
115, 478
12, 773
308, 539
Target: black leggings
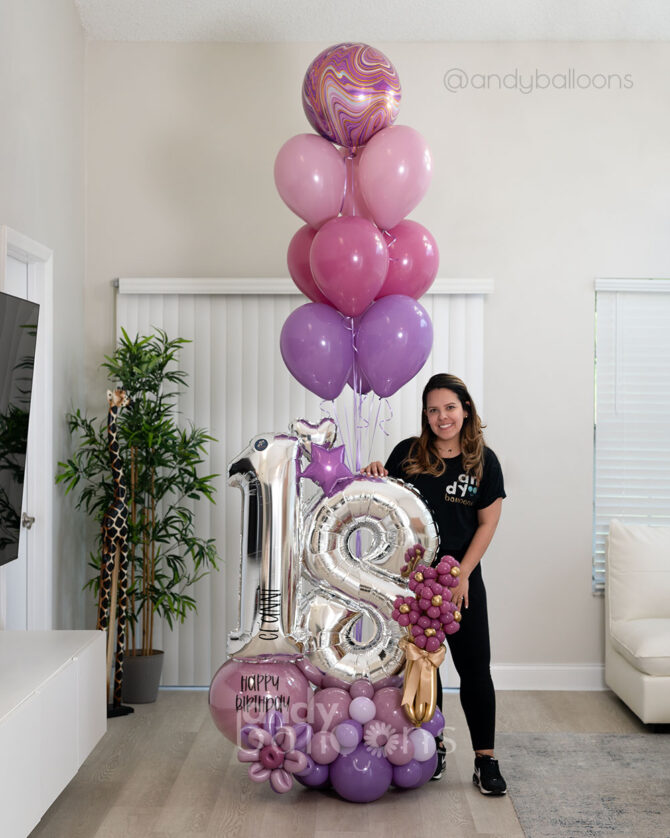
471, 652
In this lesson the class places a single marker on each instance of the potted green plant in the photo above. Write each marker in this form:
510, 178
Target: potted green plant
161, 463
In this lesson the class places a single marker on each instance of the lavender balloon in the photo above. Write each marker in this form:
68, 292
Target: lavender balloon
316, 347
394, 340
361, 776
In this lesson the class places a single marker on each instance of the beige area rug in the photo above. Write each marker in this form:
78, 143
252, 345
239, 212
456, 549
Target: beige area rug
569, 785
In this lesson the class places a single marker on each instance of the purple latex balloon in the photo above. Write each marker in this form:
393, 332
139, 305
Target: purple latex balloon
394, 340
315, 776
407, 776
316, 347
360, 776
435, 726
349, 734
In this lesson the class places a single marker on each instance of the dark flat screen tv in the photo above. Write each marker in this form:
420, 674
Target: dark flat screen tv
18, 336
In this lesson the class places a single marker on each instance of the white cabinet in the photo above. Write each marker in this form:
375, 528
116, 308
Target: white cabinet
53, 712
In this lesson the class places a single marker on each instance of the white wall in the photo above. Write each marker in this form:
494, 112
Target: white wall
42, 196
542, 191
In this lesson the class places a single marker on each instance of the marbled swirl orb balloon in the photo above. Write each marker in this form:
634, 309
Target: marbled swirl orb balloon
350, 92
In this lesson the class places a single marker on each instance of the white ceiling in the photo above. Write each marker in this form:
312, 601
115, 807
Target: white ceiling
372, 21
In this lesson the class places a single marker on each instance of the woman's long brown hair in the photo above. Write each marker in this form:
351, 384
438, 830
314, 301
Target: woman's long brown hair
423, 456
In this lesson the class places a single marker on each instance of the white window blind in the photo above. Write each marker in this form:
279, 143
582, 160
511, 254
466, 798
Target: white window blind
239, 386
632, 421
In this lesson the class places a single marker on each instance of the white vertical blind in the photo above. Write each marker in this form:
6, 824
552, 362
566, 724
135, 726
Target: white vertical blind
239, 387
632, 422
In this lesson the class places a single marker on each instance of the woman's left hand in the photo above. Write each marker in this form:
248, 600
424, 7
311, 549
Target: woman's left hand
459, 594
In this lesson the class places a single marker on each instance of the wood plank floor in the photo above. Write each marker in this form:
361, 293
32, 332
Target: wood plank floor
165, 771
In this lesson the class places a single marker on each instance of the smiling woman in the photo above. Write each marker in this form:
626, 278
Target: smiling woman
461, 481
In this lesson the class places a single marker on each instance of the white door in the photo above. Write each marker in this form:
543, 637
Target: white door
26, 584
16, 573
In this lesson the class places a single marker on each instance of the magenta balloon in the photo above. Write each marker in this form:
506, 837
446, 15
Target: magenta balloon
315, 344
331, 706
315, 776
361, 776
394, 174
349, 261
297, 259
310, 177
393, 341
389, 710
413, 261
350, 92
242, 692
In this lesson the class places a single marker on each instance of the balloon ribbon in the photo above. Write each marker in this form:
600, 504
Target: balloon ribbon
419, 697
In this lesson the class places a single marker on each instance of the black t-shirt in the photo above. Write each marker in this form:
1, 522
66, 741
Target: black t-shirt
454, 497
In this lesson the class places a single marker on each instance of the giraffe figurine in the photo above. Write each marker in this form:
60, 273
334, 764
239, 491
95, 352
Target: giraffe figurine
113, 598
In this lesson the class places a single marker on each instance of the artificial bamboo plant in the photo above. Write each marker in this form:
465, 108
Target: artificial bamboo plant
161, 462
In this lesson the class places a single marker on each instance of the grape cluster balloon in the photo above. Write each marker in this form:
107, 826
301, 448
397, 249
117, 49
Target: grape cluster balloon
361, 263
430, 614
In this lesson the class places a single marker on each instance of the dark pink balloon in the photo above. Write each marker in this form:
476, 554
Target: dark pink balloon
413, 261
393, 341
309, 176
243, 692
331, 706
349, 261
315, 344
297, 259
394, 174
389, 709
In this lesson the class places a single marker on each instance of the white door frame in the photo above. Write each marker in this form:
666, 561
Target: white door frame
40, 468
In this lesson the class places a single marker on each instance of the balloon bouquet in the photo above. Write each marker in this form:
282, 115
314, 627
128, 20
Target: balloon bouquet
312, 689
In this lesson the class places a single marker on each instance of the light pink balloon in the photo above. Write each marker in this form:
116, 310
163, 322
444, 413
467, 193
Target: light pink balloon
354, 202
309, 175
394, 173
349, 261
297, 259
413, 260
242, 692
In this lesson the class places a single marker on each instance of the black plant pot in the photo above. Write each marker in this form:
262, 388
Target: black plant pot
141, 677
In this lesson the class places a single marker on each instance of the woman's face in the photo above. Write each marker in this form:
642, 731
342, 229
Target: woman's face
445, 415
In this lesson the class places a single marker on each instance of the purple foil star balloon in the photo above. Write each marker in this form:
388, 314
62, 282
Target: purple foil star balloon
327, 467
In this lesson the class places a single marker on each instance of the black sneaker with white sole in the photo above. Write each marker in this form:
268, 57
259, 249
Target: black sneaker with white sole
441, 767
487, 776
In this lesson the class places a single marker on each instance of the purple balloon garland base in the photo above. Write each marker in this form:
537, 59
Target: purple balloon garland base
358, 742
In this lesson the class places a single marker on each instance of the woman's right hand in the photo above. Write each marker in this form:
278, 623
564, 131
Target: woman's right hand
375, 469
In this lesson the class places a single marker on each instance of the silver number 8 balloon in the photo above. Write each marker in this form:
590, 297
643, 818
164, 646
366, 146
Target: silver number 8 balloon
323, 580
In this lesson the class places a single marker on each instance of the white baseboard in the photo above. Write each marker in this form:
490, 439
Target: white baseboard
568, 676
